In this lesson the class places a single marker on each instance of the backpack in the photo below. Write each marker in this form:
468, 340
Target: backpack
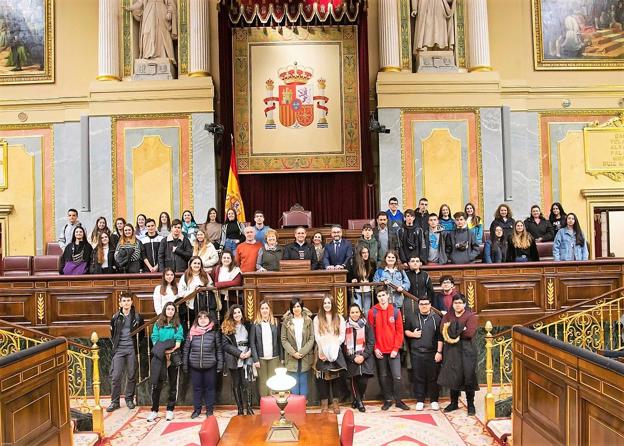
395, 314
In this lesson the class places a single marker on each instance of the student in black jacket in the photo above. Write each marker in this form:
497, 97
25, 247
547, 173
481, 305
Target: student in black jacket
125, 350
204, 357
521, 245
539, 227
410, 238
103, 256
266, 345
237, 357
300, 249
503, 218
358, 348
150, 245
175, 251
76, 257
420, 286
422, 332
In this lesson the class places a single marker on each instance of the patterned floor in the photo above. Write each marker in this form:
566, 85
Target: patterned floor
395, 427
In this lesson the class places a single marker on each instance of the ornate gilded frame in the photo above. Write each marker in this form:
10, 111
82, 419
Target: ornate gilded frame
541, 63
614, 125
4, 158
182, 42
47, 74
350, 157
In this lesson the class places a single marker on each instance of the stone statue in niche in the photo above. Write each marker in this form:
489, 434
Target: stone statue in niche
158, 30
434, 35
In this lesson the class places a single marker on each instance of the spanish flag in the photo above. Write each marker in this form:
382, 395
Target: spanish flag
233, 198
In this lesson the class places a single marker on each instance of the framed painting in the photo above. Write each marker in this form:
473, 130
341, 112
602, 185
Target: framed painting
26, 41
296, 100
578, 34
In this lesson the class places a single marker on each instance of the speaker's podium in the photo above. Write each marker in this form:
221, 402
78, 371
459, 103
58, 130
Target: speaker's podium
295, 279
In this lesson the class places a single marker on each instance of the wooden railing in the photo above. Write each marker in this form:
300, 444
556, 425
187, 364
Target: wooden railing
505, 294
564, 395
34, 401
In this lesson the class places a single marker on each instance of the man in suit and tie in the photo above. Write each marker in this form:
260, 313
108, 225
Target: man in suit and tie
338, 252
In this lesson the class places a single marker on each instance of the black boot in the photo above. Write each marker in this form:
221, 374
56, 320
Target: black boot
248, 401
470, 395
238, 397
454, 401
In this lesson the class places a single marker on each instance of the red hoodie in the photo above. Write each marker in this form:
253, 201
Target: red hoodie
388, 332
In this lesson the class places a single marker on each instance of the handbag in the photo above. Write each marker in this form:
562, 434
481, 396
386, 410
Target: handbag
176, 358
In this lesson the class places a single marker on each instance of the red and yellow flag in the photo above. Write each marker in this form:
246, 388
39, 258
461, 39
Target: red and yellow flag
233, 197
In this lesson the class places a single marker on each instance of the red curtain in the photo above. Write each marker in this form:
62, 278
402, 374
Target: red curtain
332, 197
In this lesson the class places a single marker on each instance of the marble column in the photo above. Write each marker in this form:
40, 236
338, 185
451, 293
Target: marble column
199, 48
108, 41
389, 59
478, 36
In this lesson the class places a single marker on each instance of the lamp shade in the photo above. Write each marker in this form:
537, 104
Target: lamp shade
281, 382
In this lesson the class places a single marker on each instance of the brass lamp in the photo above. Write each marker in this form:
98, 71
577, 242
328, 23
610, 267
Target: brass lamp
282, 430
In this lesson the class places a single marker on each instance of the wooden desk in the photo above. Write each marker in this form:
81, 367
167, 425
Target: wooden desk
314, 429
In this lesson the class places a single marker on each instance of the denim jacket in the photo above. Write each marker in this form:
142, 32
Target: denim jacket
398, 278
565, 247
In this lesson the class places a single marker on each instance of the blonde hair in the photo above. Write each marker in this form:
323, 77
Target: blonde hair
197, 250
259, 319
272, 232
523, 240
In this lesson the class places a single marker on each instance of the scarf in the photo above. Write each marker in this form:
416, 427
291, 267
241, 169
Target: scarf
357, 345
196, 330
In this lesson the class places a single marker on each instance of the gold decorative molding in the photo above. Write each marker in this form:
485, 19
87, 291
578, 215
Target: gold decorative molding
107, 77
613, 165
550, 293
340, 300
249, 305
40, 307
471, 295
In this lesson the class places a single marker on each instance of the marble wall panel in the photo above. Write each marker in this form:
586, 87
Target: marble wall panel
492, 161
390, 172
526, 172
204, 166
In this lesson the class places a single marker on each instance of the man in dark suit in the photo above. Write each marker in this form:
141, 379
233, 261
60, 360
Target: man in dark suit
338, 252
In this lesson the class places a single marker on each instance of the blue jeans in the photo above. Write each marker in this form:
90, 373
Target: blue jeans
301, 388
231, 246
364, 300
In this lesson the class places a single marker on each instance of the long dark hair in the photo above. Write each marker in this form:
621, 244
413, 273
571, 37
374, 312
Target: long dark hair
233, 264
562, 214
84, 235
116, 231
162, 317
208, 216
160, 224
578, 232
95, 234
362, 268
164, 284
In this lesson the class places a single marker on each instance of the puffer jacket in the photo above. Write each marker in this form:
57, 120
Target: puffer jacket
203, 352
289, 342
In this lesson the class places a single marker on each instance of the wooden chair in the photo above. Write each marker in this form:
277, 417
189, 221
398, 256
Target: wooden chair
46, 265
296, 405
296, 216
53, 249
209, 434
347, 429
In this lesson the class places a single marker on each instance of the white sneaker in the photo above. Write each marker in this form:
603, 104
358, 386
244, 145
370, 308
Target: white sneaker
420, 406
152, 416
169, 415
435, 406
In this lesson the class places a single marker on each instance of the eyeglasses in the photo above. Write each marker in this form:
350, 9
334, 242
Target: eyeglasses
447, 282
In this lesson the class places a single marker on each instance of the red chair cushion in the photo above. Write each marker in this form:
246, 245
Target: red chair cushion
46, 265
209, 434
296, 405
347, 429
17, 265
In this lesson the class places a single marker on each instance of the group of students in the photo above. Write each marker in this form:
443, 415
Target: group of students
150, 246
456, 238
340, 353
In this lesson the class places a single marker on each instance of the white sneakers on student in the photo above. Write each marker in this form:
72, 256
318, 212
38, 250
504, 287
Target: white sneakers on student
420, 406
169, 415
152, 416
435, 406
